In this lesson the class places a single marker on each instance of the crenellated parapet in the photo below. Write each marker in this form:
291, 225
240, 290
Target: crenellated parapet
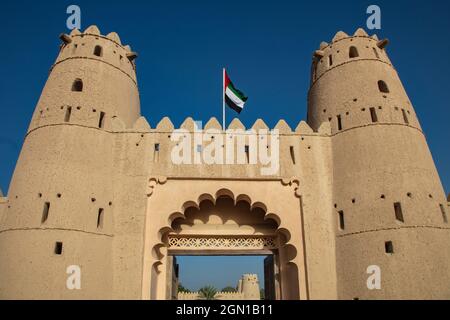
346, 49
354, 85
91, 45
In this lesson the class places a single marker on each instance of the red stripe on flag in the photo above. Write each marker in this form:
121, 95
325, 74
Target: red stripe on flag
227, 80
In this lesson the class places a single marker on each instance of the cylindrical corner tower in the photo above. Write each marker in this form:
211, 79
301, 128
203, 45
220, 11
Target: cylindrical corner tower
389, 203
60, 198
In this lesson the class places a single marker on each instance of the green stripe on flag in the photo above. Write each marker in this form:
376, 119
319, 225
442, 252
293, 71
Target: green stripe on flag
238, 93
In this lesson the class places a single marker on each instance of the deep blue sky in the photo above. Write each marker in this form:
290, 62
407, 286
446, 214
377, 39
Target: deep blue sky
218, 271
266, 46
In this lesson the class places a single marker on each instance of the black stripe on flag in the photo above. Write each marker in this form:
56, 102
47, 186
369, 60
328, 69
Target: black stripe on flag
232, 105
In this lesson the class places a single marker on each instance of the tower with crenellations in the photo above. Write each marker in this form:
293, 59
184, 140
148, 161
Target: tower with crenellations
96, 187
387, 196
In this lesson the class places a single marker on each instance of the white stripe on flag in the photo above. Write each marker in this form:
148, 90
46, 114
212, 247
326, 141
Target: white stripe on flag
230, 94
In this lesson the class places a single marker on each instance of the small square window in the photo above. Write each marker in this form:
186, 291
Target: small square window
389, 247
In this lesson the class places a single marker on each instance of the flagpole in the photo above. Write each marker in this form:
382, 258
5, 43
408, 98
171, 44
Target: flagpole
223, 99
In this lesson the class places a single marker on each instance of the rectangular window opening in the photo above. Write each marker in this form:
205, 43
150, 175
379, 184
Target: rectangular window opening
341, 220
101, 121
45, 212
339, 122
444, 214
156, 153
58, 248
330, 60
291, 149
373, 114
405, 116
247, 156
100, 218
68, 114
389, 247
398, 212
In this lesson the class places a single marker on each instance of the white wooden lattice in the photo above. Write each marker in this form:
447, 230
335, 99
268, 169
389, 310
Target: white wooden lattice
221, 242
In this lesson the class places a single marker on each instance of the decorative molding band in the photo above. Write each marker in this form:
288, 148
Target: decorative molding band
222, 242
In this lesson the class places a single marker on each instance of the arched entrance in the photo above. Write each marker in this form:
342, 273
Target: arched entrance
225, 224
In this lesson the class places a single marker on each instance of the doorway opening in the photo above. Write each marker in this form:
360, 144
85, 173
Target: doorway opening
224, 277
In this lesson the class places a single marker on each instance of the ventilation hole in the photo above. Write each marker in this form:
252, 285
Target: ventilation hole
389, 247
430, 196
353, 52
398, 212
409, 194
98, 51
373, 115
93, 199
110, 203
383, 87
444, 214
382, 196
353, 200
355, 100
341, 220
100, 218
78, 108
101, 121
58, 248
324, 110
339, 122
40, 195
45, 212
363, 109
291, 150
77, 85
380, 108
335, 205
59, 195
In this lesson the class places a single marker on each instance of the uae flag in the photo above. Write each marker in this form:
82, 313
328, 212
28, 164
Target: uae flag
234, 98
